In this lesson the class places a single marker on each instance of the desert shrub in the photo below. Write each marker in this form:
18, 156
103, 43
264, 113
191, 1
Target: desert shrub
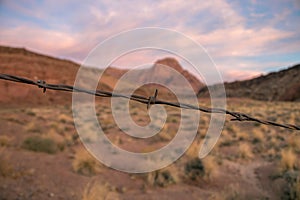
63, 118
226, 142
292, 188
204, 168
245, 151
161, 178
193, 150
231, 192
86, 167
4, 140
85, 164
32, 127
288, 160
31, 113
96, 189
174, 119
271, 154
57, 138
5, 166
134, 113
209, 166
39, 144
194, 169
258, 137
294, 142
242, 136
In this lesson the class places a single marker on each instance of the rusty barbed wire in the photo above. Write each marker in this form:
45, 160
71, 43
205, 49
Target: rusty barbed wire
237, 116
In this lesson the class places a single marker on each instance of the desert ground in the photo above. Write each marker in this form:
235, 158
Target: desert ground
42, 157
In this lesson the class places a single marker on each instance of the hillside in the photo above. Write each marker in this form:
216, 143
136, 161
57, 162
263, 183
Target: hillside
21, 62
276, 86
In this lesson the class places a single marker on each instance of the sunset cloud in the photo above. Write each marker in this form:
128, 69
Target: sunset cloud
255, 34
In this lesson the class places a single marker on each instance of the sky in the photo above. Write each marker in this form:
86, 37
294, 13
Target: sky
244, 38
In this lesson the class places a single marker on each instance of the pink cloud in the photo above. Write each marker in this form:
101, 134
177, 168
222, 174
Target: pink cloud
234, 75
97, 21
241, 41
54, 42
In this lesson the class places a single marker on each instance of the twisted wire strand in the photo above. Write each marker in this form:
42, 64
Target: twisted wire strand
237, 116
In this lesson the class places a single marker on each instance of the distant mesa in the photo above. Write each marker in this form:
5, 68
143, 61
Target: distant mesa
158, 73
171, 62
195, 83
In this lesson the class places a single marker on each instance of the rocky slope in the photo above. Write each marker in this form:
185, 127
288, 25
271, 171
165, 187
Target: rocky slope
21, 62
276, 86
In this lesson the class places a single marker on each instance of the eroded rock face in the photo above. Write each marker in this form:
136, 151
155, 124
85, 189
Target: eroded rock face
171, 62
161, 73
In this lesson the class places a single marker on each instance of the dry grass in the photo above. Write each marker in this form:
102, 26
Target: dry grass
294, 142
99, 190
258, 136
245, 151
225, 140
271, 153
63, 118
295, 188
163, 178
6, 168
288, 160
32, 127
230, 192
4, 140
194, 149
232, 130
57, 138
166, 134
31, 113
210, 167
84, 163
242, 135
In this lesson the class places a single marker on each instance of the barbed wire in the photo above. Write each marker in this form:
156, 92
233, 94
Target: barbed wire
237, 116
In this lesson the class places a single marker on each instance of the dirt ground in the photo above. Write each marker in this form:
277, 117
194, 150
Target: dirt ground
41, 156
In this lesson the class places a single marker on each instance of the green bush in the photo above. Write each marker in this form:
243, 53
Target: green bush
39, 144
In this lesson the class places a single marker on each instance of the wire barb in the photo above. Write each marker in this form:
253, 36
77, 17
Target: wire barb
149, 101
152, 99
41, 84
